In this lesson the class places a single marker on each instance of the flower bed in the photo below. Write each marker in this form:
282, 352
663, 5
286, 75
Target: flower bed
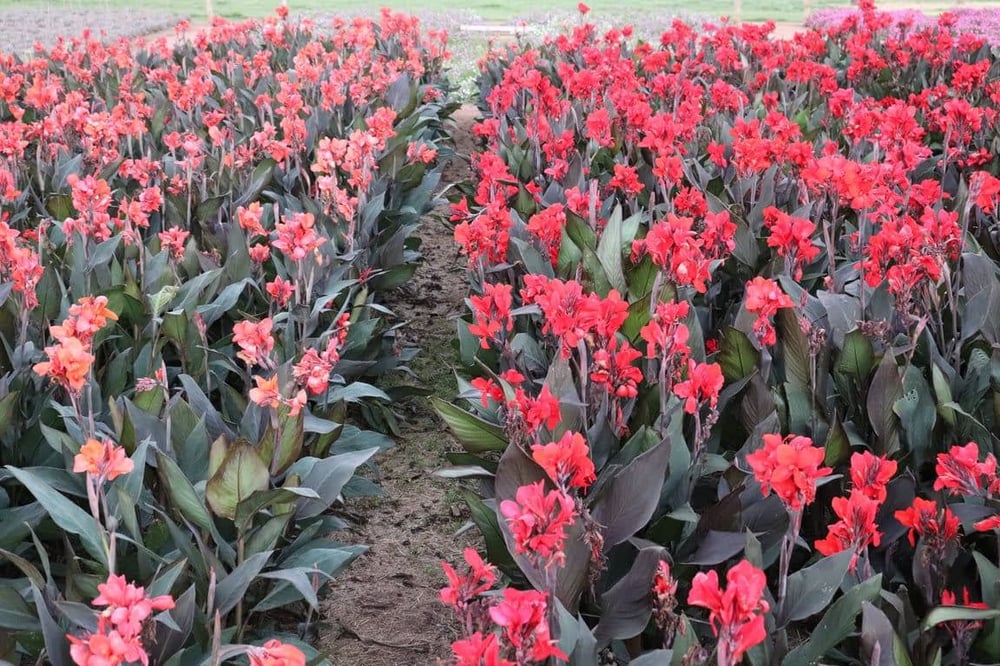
980, 21
733, 332
195, 241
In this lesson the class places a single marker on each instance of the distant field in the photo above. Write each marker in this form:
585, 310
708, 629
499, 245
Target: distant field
489, 10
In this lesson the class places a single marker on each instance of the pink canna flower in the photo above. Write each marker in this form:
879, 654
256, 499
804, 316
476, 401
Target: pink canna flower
736, 614
538, 521
255, 341
522, 616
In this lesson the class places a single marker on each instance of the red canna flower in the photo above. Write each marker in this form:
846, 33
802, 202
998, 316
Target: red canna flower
792, 237
962, 632
856, 529
960, 472
523, 618
938, 525
764, 298
612, 367
538, 521
462, 590
736, 614
987, 524
547, 225
791, 466
702, 385
986, 190
492, 313
870, 474
666, 335
543, 409
567, 461
479, 650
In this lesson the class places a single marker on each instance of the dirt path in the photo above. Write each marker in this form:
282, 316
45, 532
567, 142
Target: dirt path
384, 609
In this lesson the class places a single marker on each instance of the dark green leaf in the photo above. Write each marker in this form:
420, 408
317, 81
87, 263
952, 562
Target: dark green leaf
811, 589
475, 434
837, 624
737, 355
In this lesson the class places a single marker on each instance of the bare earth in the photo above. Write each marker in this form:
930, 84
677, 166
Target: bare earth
384, 609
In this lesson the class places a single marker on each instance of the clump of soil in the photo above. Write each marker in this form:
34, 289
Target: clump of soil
384, 608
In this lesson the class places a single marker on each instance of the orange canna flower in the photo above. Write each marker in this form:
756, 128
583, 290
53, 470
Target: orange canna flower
69, 364
276, 653
102, 459
266, 394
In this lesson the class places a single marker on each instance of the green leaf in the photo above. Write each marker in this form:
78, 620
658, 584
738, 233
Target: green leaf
56, 643
917, 414
953, 613
64, 513
182, 494
811, 589
795, 350
883, 392
327, 477
631, 496
252, 505
233, 587
837, 624
241, 474
292, 431
857, 358
877, 630
475, 434
609, 251
737, 355
654, 658
8, 410
297, 579
15, 615
627, 606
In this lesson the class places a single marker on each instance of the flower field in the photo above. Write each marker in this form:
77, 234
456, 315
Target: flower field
734, 381
196, 244
728, 365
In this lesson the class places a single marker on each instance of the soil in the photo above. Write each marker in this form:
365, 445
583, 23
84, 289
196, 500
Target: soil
384, 609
